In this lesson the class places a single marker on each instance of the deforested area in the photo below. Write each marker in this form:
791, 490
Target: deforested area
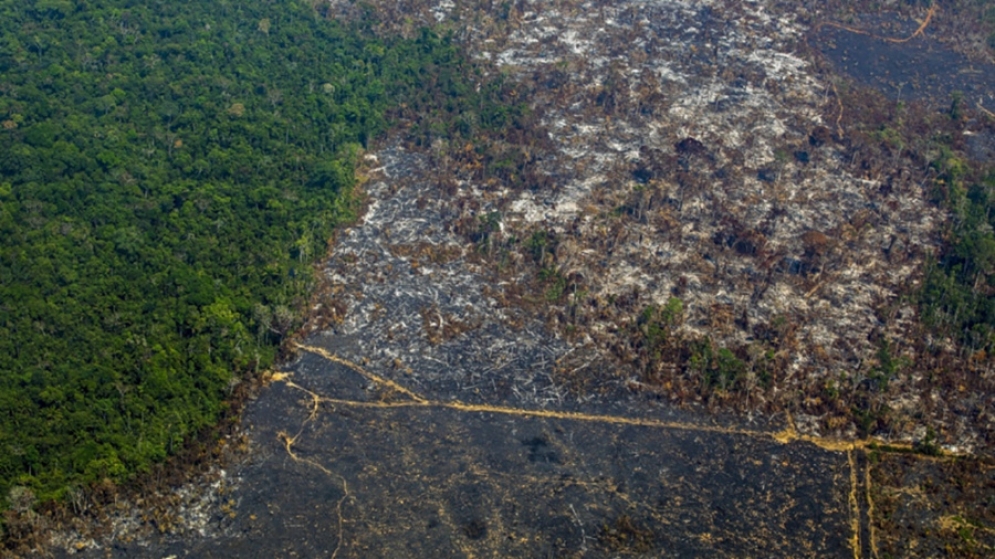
751, 208
737, 220
714, 277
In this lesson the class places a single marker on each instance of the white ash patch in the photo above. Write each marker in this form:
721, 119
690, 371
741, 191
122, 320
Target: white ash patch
442, 10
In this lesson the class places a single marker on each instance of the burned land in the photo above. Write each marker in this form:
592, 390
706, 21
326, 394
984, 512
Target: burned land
690, 303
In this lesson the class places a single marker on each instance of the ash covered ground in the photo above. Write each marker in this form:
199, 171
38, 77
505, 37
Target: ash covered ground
701, 151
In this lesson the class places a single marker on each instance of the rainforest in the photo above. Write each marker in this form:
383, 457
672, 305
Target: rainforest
168, 174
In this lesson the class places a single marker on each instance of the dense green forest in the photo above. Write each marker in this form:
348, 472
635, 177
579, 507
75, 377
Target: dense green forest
958, 295
168, 172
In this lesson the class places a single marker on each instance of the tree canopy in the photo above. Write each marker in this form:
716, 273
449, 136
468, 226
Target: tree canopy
168, 172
